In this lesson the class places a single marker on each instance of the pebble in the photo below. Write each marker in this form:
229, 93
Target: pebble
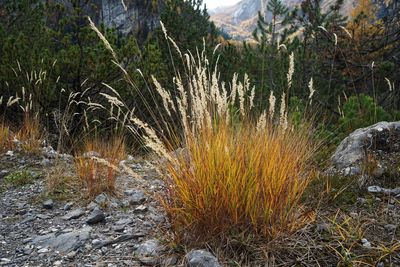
5, 260
390, 227
43, 250
366, 243
68, 206
141, 208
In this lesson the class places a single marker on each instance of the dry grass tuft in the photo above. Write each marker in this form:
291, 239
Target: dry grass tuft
97, 167
61, 183
30, 134
6, 138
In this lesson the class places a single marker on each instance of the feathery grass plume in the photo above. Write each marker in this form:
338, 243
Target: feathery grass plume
311, 89
103, 39
323, 28
12, 100
262, 121
272, 102
124, 6
346, 31
231, 175
175, 46
283, 121
291, 70
165, 96
389, 84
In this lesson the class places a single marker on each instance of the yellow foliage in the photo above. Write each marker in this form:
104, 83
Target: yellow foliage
97, 171
363, 20
5, 138
236, 181
30, 134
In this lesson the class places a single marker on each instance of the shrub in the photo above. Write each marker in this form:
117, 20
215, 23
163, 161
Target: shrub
361, 111
98, 165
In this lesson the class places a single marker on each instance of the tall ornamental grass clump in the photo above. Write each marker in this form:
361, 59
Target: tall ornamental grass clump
237, 171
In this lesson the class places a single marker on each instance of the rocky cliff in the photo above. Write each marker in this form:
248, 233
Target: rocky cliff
130, 16
137, 17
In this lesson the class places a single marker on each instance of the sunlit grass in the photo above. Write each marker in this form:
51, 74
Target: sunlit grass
30, 134
6, 138
234, 180
97, 166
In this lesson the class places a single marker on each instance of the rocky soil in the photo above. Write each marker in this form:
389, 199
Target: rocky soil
350, 224
37, 230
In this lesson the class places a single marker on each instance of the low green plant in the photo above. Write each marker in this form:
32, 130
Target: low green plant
20, 178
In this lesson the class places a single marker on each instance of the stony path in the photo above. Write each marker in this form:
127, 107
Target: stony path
127, 231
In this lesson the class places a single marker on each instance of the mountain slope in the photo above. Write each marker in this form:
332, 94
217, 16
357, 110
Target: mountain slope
241, 19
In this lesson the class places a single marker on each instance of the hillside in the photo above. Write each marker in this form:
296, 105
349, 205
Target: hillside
240, 19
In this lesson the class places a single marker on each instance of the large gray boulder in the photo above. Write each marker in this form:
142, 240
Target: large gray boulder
353, 151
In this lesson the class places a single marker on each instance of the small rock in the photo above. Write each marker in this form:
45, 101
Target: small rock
3, 173
124, 221
95, 217
57, 263
43, 250
101, 199
201, 258
366, 243
45, 162
91, 154
141, 208
148, 248
71, 255
118, 228
42, 216
170, 261
374, 189
136, 198
390, 227
322, 227
361, 200
91, 206
9, 153
68, 206
4, 261
75, 214
96, 242
48, 204
149, 261
27, 240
